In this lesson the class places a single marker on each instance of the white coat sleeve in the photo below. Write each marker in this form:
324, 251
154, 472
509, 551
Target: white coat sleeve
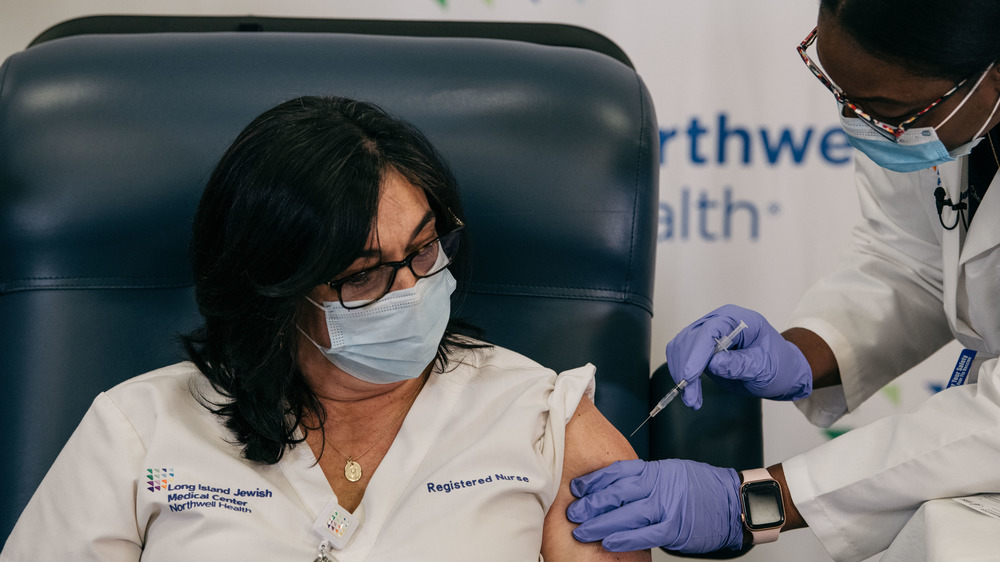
84, 509
881, 311
858, 491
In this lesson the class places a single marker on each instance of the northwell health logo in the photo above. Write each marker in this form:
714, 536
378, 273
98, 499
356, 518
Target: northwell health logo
159, 478
187, 497
721, 179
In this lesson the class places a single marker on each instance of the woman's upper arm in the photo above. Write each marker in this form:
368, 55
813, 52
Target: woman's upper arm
591, 443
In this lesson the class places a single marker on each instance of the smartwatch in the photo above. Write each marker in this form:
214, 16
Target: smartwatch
763, 512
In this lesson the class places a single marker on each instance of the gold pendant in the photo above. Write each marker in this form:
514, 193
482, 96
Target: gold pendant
352, 470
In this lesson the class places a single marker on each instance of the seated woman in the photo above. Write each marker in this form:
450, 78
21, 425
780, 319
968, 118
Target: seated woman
332, 409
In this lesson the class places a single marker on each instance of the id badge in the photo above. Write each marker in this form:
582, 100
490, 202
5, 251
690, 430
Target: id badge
961, 371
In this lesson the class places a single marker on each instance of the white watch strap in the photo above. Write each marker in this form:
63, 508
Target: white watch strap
764, 535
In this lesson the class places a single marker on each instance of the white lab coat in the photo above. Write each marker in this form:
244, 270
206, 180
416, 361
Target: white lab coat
943, 530
906, 287
150, 473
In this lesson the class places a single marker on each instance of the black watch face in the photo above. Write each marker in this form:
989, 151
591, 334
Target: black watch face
762, 505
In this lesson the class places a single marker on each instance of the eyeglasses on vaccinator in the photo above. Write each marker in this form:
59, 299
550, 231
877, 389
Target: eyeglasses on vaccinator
367, 286
891, 132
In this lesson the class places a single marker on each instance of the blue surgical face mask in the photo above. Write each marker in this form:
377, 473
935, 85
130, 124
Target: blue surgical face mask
918, 148
394, 338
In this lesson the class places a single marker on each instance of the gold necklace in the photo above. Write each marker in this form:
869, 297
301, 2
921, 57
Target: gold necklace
352, 469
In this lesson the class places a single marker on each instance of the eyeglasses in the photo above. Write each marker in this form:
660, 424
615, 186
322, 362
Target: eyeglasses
891, 132
365, 287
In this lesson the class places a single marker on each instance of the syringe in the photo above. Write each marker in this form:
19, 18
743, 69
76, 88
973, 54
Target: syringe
721, 344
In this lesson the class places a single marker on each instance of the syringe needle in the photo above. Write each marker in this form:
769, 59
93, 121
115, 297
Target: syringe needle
640, 426
662, 404
721, 344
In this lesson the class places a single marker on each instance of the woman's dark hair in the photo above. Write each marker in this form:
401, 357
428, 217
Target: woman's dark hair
953, 39
289, 206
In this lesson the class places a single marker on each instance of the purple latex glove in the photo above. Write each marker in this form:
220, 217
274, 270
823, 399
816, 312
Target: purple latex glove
760, 362
681, 505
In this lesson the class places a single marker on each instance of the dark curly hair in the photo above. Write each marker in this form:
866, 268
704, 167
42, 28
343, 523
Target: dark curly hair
953, 39
289, 206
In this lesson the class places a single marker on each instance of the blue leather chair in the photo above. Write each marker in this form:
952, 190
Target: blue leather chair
107, 140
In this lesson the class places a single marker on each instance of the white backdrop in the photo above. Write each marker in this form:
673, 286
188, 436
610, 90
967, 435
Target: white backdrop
756, 178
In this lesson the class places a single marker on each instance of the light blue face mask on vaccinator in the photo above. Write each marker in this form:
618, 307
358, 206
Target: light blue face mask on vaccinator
916, 149
394, 338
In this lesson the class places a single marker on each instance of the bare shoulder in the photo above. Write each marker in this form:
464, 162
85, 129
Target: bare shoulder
591, 443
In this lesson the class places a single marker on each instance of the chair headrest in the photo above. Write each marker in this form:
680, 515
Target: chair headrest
126, 127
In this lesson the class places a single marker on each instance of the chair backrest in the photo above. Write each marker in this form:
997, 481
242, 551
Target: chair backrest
106, 143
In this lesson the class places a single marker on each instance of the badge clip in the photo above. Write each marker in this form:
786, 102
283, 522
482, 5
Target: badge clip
336, 524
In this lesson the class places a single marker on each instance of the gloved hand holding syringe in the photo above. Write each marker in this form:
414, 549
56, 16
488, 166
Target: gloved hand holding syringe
721, 344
